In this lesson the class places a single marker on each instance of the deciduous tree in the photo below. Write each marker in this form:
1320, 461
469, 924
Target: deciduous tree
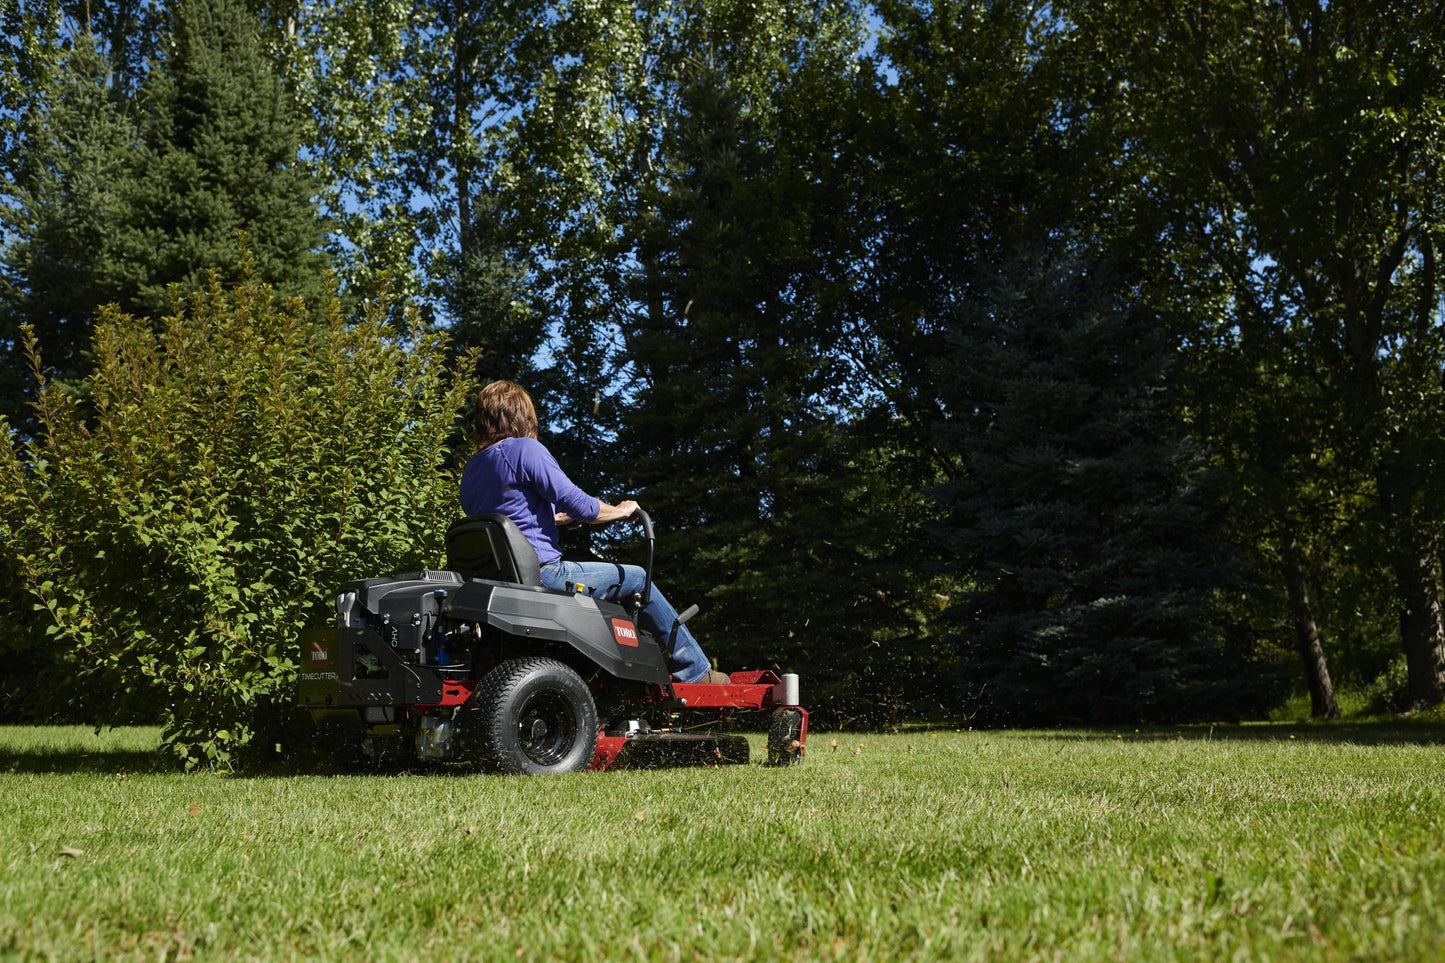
231, 464
1297, 148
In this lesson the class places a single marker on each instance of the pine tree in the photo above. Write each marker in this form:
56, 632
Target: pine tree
1083, 512
219, 157
790, 521
61, 261
487, 296
713, 436
701, 335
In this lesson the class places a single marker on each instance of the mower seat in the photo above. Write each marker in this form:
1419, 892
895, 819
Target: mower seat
492, 547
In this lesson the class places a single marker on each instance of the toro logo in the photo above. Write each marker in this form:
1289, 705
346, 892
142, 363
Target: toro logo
625, 632
319, 655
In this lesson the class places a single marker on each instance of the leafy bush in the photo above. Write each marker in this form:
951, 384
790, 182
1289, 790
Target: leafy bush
1390, 690
184, 515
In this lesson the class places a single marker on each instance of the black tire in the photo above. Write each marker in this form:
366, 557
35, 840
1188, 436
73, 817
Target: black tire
785, 732
533, 716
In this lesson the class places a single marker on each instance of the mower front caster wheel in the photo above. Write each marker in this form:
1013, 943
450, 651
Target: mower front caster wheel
534, 716
785, 733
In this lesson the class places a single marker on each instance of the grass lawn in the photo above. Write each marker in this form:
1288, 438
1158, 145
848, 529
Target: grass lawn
1274, 841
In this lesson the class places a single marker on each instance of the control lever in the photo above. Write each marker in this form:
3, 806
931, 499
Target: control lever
687, 613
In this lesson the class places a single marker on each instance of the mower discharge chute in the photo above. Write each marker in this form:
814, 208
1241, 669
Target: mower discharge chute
482, 664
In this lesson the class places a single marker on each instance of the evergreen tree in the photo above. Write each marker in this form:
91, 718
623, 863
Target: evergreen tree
723, 377
487, 295
789, 518
1082, 512
219, 157
61, 260
704, 323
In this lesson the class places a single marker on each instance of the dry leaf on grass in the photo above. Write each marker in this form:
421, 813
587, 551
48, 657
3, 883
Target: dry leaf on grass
641, 815
195, 809
70, 851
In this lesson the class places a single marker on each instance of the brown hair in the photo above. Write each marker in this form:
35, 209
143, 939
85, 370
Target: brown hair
504, 410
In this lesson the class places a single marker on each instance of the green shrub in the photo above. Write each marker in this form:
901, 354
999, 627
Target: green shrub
1390, 690
180, 518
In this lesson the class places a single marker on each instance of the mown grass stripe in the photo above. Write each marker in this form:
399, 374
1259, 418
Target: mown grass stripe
958, 845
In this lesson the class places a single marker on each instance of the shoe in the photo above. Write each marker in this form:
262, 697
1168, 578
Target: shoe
714, 677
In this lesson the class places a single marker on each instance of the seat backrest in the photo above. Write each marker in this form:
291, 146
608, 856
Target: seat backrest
491, 546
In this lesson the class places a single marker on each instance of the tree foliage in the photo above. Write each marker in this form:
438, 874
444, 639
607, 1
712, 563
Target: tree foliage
1083, 514
62, 257
233, 463
218, 156
741, 433
120, 193
1294, 149
726, 244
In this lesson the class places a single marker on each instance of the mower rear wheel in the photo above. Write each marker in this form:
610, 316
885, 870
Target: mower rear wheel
534, 716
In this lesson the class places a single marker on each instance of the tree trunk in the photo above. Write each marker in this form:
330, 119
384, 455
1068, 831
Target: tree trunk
1420, 626
1306, 631
1417, 582
460, 149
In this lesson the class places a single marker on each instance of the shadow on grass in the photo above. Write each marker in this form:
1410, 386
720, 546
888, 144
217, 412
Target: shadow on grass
1362, 733
54, 760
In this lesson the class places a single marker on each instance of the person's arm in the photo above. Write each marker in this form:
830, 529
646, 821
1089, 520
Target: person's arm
537, 466
605, 513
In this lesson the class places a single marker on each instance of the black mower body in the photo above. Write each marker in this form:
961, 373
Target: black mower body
398, 640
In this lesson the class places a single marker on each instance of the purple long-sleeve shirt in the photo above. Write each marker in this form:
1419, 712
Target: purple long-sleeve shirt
519, 478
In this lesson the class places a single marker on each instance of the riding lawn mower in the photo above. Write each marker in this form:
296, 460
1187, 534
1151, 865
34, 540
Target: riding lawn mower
481, 664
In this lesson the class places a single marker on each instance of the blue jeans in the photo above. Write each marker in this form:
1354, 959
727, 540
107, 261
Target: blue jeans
605, 580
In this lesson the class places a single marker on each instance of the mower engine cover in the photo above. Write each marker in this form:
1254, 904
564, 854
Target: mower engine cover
391, 633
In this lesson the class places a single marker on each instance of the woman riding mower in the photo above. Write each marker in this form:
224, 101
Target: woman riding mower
513, 473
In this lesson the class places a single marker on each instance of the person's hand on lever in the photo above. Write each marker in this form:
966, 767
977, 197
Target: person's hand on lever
605, 513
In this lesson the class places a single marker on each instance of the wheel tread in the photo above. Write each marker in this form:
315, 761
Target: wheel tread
490, 707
